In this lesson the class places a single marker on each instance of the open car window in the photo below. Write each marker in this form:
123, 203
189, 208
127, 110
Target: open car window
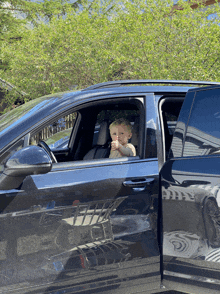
170, 109
109, 116
84, 134
57, 134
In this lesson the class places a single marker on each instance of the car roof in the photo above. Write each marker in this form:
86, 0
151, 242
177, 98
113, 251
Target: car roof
150, 82
136, 89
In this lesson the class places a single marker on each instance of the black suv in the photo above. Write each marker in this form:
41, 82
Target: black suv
74, 220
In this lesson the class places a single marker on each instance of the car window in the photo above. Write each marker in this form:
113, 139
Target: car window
203, 130
56, 135
170, 109
9, 119
90, 136
111, 115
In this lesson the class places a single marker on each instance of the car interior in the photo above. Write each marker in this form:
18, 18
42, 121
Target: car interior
84, 133
169, 112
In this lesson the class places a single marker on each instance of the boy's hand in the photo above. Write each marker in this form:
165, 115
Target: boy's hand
115, 144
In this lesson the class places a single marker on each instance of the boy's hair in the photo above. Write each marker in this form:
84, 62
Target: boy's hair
121, 121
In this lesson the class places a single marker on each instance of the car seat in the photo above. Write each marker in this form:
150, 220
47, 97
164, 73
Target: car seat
102, 148
135, 134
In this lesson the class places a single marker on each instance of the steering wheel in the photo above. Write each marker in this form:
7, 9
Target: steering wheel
44, 145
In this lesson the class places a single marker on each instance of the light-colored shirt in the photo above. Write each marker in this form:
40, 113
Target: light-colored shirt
130, 148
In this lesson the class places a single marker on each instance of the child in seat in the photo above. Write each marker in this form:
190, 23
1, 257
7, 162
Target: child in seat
121, 132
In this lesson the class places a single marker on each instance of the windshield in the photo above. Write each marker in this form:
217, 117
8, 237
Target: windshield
13, 116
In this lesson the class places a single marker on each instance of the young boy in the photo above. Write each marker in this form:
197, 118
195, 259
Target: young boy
121, 132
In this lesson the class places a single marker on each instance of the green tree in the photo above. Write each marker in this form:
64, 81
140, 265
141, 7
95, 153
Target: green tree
159, 43
129, 40
8, 27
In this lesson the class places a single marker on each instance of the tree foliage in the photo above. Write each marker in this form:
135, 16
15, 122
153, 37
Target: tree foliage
89, 42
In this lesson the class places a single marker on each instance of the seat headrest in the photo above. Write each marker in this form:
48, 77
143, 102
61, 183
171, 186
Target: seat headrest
104, 135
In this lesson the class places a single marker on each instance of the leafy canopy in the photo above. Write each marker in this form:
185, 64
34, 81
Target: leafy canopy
79, 44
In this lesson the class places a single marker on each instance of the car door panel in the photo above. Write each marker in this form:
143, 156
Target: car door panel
190, 196
82, 222
191, 232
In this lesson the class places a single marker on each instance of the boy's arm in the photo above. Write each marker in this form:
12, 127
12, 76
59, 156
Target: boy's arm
127, 151
132, 149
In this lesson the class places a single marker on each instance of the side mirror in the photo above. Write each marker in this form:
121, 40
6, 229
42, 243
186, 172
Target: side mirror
31, 160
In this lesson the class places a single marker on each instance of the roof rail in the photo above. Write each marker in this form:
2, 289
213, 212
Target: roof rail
138, 82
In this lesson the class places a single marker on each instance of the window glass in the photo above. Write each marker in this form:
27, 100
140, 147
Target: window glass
57, 133
151, 142
180, 129
203, 130
171, 123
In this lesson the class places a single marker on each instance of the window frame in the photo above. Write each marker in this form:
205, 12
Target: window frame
52, 121
81, 105
111, 101
194, 96
162, 99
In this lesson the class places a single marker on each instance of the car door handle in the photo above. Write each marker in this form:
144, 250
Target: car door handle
141, 182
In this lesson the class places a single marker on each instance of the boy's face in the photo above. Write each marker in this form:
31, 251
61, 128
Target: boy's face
122, 133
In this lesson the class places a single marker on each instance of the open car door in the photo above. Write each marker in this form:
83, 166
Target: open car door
190, 192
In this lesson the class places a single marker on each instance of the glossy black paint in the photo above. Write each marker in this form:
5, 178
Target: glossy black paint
83, 225
191, 198
27, 161
68, 227
86, 225
191, 229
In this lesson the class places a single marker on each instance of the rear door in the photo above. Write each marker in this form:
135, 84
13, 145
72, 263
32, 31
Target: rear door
86, 225
191, 197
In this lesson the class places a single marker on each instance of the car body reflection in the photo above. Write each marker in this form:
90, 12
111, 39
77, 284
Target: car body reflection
61, 240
